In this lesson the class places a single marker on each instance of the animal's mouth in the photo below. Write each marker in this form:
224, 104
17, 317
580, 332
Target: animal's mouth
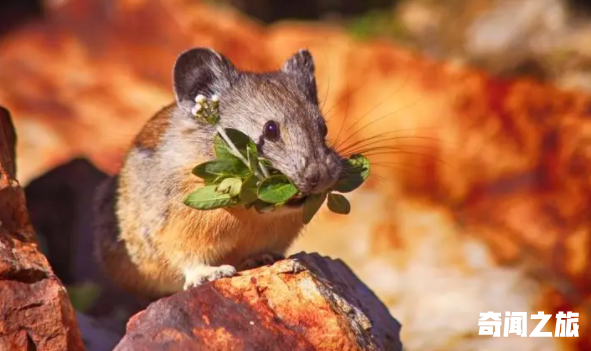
297, 201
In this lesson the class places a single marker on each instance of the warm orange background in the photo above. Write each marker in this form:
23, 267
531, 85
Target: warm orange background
484, 206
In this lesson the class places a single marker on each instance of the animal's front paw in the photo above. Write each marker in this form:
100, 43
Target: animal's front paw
260, 260
199, 275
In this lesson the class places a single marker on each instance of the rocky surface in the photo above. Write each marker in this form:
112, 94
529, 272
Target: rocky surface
305, 302
35, 311
481, 200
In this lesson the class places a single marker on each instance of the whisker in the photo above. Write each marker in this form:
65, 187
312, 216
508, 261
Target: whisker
374, 121
363, 140
411, 129
379, 177
396, 166
393, 163
384, 134
380, 103
376, 146
377, 153
345, 96
397, 169
368, 148
371, 141
326, 95
380, 147
426, 156
353, 134
346, 115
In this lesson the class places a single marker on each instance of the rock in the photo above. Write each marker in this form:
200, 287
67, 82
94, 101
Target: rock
98, 335
306, 302
35, 311
8, 142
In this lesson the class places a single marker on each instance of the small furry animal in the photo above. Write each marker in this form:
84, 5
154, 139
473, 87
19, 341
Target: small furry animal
148, 241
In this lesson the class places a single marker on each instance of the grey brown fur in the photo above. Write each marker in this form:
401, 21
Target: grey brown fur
154, 245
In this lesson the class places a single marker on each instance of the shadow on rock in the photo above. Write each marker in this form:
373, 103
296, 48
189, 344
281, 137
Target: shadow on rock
60, 203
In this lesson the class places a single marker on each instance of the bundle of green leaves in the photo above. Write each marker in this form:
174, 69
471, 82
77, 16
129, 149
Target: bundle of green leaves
239, 176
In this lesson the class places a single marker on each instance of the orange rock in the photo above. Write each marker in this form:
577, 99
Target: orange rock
305, 302
35, 311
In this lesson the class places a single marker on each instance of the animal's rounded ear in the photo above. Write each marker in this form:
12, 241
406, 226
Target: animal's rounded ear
301, 66
201, 71
301, 62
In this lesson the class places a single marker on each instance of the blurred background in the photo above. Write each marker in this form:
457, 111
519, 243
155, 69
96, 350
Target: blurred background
476, 116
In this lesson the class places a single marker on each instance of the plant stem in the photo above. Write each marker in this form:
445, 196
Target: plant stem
235, 151
264, 169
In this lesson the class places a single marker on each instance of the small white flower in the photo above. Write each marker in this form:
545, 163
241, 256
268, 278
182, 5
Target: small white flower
196, 109
199, 98
215, 98
251, 323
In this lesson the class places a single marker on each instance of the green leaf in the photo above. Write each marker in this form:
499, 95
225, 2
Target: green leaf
276, 189
338, 204
361, 163
218, 169
217, 180
230, 186
356, 171
207, 198
239, 139
312, 205
221, 149
248, 191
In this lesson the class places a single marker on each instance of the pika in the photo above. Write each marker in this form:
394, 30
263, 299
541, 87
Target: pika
153, 245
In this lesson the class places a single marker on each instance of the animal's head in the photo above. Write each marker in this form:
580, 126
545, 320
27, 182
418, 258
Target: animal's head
278, 110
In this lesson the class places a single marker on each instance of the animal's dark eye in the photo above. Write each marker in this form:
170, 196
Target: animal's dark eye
271, 131
323, 129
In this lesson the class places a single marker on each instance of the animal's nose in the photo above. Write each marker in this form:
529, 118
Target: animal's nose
313, 178
316, 176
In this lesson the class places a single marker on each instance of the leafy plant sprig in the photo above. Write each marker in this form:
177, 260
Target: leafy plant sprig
238, 176
208, 112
